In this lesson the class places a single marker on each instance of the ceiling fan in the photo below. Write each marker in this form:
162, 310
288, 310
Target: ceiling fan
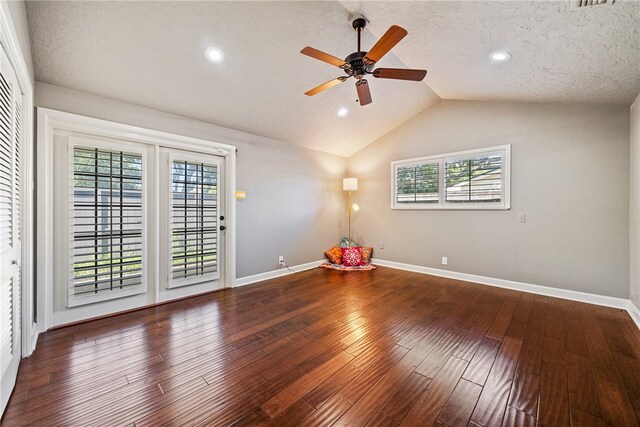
360, 63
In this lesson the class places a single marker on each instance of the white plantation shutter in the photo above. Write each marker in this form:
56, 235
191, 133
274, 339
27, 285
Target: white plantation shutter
417, 183
194, 222
107, 231
474, 179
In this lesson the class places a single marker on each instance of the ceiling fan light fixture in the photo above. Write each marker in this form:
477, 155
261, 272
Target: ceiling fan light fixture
342, 112
500, 56
214, 54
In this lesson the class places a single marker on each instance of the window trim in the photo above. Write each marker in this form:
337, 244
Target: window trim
74, 300
441, 159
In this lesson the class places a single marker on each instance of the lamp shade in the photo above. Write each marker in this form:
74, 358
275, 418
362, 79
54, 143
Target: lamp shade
350, 184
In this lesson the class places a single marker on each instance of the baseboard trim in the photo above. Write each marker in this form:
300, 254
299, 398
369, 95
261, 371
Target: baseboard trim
520, 286
34, 341
275, 273
634, 312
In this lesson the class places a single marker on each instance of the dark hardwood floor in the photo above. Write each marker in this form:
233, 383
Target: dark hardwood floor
323, 347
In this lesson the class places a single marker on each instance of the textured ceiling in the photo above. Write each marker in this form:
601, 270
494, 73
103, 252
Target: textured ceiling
151, 53
559, 54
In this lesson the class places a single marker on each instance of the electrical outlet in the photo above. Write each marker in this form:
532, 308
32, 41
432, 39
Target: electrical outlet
445, 260
522, 217
281, 260
381, 245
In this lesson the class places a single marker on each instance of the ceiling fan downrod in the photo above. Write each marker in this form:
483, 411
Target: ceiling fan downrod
358, 25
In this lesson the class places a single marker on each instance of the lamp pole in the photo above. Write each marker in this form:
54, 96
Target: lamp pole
349, 218
350, 184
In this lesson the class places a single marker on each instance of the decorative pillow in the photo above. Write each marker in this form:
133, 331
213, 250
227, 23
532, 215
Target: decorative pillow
351, 256
335, 255
345, 243
366, 254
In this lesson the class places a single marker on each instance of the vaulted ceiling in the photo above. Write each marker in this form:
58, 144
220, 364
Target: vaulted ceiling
151, 53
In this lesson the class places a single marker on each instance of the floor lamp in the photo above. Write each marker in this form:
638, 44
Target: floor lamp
350, 184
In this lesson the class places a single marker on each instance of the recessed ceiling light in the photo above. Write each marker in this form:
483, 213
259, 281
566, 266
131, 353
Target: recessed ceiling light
500, 56
214, 54
342, 112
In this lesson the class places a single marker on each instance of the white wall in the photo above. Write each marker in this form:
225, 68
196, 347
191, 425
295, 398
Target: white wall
293, 205
634, 205
570, 176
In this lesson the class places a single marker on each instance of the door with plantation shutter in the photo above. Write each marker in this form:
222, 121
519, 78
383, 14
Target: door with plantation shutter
107, 217
10, 226
194, 220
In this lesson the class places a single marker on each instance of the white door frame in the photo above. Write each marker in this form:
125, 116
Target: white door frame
50, 122
10, 42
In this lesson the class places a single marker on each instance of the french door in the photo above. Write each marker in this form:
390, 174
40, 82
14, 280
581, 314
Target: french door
192, 223
10, 227
137, 224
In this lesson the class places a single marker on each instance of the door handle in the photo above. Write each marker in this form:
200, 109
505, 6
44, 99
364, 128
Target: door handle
222, 228
15, 262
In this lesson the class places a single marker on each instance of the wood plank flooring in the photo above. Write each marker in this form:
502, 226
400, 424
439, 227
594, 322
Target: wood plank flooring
323, 347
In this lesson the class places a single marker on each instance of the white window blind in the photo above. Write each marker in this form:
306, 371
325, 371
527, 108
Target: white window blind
108, 223
194, 222
474, 179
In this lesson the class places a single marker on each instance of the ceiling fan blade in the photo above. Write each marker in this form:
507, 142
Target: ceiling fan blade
399, 74
364, 94
389, 39
324, 86
325, 57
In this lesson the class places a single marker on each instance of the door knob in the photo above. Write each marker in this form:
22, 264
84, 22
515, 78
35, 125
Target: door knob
222, 227
15, 262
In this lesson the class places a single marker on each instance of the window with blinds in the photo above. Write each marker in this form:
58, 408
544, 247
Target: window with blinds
474, 179
194, 222
417, 183
108, 223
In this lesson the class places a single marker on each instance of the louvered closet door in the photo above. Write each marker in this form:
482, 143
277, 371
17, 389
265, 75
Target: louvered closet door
194, 215
10, 206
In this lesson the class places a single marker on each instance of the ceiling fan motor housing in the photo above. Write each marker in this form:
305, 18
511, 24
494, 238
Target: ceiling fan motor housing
358, 67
